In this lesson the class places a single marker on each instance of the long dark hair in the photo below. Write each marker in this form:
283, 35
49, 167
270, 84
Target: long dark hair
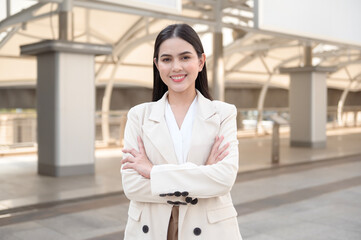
187, 33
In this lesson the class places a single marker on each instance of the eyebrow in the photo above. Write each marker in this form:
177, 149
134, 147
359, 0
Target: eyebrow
182, 53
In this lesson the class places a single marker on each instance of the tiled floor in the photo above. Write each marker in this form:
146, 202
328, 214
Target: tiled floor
318, 201
326, 206
312, 200
20, 185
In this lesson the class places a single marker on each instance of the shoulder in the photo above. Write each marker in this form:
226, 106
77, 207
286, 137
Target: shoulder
224, 109
140, 110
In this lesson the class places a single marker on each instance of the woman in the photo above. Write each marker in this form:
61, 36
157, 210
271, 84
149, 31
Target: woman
181, 150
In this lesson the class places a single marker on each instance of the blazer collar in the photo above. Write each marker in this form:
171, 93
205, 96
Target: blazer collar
205, 108
157, 113
156, 127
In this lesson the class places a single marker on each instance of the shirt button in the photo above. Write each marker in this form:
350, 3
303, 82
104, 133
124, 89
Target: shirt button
194, 201
145, 229
184, 194
197, 231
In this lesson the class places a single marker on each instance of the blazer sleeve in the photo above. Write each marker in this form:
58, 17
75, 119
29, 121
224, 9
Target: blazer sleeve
203, 181
135, 186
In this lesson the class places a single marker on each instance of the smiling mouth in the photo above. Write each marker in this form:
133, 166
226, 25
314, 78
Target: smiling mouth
178, 78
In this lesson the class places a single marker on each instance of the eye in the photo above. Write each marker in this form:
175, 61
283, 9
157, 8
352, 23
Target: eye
186, 57
165, 59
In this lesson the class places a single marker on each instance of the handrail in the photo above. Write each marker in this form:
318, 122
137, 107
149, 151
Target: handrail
19, 129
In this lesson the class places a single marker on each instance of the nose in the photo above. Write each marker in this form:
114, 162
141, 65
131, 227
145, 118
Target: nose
176, 66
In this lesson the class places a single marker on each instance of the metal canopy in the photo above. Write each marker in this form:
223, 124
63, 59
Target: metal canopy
251, 56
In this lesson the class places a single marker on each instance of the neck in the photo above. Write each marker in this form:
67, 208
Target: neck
181, 99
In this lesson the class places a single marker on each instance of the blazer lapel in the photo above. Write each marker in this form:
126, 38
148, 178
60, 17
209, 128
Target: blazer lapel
205, 128
156, 129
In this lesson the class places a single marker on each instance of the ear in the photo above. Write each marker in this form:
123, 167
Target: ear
202, 60
156, 63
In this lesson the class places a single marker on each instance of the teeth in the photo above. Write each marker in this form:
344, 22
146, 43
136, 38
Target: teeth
177, 78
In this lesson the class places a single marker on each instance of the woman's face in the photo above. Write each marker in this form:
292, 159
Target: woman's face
178, 65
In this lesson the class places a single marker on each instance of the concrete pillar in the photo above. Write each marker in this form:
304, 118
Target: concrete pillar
8, 8
218, 63
218, 67
65, 105
66, 23
123, 121
239, 120
308, 106
275, 159
355, 118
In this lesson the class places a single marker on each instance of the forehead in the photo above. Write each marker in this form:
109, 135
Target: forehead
174, 46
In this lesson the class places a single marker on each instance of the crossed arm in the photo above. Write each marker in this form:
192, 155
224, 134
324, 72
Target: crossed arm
139, 161
145, 182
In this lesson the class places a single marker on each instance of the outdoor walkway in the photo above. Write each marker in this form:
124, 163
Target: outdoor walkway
318, 201
312, 200
20, 185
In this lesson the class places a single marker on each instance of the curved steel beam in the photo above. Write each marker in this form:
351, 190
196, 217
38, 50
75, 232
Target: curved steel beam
104, 66
24, 16
106, 105
9, 35
341, 102
247, 59
109, 87
121, 51
262, 95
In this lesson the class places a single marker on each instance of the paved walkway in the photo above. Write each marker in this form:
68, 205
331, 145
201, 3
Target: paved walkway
316, 201
21, 186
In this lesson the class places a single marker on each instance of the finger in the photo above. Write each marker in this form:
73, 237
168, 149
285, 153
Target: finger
218, 142
220, 151
222, 156
127, 160
213, 149
123, 161
131, 151
141, 145
128, 166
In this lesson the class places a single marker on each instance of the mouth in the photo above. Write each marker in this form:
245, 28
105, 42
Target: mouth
178, 78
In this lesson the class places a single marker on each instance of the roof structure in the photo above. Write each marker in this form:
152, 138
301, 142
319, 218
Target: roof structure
252, 57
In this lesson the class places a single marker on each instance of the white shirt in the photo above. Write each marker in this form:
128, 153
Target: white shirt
181, 137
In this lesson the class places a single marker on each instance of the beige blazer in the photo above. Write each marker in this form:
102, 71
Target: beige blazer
206, 210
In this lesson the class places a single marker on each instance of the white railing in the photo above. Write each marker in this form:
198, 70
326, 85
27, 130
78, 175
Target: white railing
19, 129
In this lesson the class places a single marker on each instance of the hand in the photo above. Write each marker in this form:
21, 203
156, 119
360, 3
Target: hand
138, 160
217, 154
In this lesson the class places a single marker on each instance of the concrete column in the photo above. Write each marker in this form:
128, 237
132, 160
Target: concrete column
66, 28
218, 63
218, 67
65, 105
308, 106
8, 8
355, 118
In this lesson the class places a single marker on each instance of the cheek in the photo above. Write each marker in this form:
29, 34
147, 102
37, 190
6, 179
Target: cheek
163, 72
163, 69
192, 67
